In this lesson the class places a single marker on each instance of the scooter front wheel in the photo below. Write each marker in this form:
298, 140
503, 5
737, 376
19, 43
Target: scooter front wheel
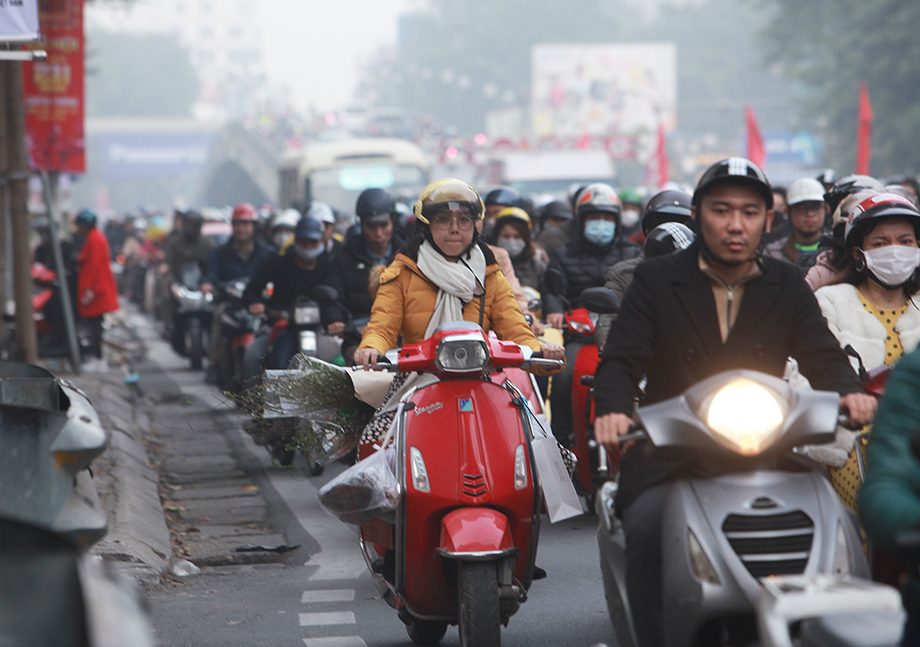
479, 605
426, 632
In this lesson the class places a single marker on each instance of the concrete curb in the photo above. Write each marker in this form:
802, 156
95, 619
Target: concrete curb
127, 482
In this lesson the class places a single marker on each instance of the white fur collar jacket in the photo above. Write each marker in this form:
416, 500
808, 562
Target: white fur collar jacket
853, 325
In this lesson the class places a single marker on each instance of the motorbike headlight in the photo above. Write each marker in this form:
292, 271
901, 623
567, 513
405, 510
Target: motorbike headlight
745, 417
305, 315
462, 354
520, 468
419, 473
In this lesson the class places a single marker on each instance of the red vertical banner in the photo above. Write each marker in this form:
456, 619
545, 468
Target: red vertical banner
864, 132
756, 152
53, 91
662, 155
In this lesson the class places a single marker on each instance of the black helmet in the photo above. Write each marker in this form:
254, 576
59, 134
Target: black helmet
667, 206
86, 217
191, 223
375, 206
734, 170
850, 184
868, 206
310, 228
503, 195
667, 238
556, 209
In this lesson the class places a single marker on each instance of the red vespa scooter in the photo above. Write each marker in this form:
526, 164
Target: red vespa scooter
462, 547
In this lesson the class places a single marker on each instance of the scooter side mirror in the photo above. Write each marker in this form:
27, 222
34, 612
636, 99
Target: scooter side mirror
325, 294
554, 282
600, 300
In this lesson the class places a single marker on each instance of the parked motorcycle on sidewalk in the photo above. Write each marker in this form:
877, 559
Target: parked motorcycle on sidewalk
765, 510
461, 545
51, 591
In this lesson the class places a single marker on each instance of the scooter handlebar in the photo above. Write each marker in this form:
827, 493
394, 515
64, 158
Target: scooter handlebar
636, 434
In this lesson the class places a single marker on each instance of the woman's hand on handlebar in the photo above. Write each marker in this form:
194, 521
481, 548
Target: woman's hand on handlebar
366, 357
608, 429
861, 407
555, 320
552, 351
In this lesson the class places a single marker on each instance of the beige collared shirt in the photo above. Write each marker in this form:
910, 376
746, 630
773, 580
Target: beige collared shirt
728, 297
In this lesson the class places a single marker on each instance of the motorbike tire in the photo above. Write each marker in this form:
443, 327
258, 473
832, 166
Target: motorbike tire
478, 603
426, 632
196, 343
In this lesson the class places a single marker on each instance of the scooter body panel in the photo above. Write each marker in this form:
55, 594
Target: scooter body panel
467, 433
585, 364
750, 525
475, 533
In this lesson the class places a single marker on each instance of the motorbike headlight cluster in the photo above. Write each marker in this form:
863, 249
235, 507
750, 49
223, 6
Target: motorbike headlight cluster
460, 355
745, 416
305, 315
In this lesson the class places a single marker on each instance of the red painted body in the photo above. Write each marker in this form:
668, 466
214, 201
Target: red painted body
583, 414
467, 430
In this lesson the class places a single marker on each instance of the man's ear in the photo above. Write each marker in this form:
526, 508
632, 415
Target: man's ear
693, 213
769, 222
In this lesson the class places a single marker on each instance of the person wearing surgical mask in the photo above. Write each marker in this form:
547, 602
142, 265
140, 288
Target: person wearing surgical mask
873, 314
293, 274
512, 233
581, 264
631, 215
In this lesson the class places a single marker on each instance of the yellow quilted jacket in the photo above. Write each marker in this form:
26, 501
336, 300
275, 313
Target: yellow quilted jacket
405, 301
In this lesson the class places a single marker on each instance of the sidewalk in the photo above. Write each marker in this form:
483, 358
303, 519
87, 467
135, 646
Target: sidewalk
173, 481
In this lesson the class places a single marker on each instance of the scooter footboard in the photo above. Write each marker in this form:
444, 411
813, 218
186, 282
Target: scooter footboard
473, 533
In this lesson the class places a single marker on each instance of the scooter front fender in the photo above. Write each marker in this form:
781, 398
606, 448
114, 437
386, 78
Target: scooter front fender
475, 533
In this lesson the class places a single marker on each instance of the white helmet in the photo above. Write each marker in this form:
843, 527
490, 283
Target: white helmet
805, 190
287, 218
322, 212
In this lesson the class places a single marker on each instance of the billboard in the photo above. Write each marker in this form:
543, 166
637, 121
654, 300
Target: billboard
601, 91
53, 91
151, 155
19, 20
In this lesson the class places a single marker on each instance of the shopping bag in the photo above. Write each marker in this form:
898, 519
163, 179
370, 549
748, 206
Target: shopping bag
558, 492
366, 490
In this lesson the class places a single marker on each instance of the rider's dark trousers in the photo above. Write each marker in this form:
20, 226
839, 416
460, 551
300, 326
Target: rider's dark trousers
642, 525
560, 395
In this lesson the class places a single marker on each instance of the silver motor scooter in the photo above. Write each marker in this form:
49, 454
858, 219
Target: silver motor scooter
765, 510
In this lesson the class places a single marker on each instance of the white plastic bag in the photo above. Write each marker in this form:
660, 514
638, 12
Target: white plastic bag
364, 491
558, 492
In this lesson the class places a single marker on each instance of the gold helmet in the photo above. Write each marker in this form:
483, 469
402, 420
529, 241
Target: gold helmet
513, 213
448, 193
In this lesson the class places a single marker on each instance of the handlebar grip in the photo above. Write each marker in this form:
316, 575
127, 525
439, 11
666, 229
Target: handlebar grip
636, 436
537, 354
548, 363
587, 380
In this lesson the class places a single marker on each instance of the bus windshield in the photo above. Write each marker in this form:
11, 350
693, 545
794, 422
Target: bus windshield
340, 186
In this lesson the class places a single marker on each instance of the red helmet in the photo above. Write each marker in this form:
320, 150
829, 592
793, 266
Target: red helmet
244, 212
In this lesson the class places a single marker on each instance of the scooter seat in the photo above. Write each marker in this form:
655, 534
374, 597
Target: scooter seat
862, 629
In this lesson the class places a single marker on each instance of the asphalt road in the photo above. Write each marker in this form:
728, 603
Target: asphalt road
322, 596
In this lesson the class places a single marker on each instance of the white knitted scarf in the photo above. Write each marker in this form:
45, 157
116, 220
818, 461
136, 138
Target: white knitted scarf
458, 283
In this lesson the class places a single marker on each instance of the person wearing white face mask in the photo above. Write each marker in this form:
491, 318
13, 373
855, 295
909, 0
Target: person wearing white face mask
873, 314
512, 233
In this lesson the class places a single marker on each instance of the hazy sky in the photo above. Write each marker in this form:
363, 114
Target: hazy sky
312, 46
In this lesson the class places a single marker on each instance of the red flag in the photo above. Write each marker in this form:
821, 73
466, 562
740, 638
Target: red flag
864, 132
755, 148
662, 157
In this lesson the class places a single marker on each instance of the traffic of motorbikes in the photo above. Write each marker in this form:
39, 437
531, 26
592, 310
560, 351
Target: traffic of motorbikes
478, 423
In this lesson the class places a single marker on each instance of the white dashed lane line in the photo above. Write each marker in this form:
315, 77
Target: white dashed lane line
327, 618
335, 641
333, 595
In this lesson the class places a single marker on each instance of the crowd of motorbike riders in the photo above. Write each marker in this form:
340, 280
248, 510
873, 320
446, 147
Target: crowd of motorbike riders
812, 282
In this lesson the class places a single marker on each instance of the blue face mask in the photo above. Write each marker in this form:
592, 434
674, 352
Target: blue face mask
600, 232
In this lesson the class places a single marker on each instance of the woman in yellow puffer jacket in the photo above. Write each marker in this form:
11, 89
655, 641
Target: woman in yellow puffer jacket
444, 274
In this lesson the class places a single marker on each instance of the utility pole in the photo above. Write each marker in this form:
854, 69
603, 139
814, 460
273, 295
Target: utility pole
15, 170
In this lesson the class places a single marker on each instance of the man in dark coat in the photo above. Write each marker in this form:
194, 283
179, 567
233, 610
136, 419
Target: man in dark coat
713, 307
350, 269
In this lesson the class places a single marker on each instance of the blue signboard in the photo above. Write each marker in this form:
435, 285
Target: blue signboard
149, 155
786, 147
